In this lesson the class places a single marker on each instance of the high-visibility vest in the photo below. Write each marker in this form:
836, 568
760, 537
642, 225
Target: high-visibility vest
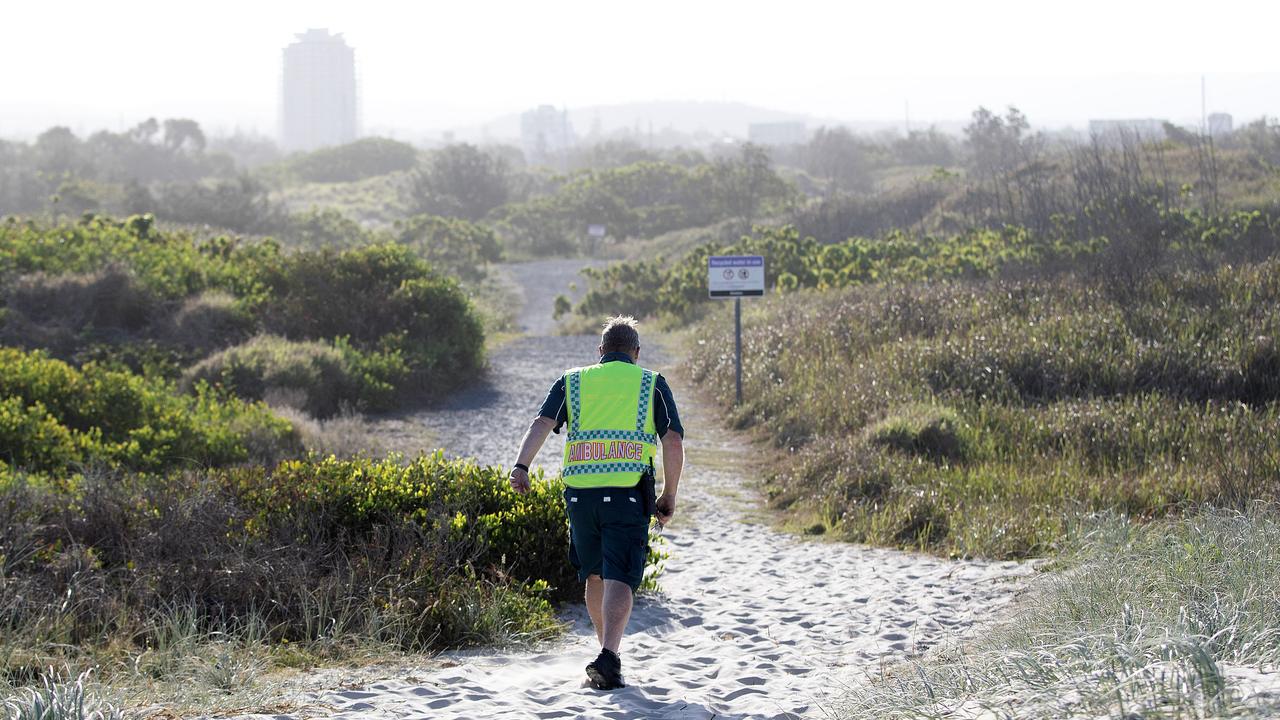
612, 438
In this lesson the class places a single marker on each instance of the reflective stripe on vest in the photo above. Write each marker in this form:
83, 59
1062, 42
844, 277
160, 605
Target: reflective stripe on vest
612, 438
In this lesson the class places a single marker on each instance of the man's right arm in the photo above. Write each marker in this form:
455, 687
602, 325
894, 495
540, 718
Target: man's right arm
537, 434
552, 414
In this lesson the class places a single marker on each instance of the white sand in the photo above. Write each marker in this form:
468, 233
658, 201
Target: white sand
751, 623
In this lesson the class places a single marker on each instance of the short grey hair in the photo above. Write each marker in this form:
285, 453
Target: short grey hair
619, 334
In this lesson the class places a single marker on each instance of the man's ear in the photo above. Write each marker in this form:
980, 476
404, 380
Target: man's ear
600, 349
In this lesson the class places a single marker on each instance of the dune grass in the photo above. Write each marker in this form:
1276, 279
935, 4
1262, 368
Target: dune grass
1172, 619
59, 699
979, 419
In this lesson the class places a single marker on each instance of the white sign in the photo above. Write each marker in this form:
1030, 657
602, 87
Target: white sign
595, 231
731, 276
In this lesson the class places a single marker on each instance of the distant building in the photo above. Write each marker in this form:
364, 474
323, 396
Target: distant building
318, 104
1143, 129
1220, 124
777, 133
546, 135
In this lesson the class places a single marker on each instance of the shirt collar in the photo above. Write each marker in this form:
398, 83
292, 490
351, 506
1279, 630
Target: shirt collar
616, 357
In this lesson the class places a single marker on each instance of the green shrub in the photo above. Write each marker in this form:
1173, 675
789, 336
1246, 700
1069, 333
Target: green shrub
431, 554
450, 244
241, 204
677, 289
980, 418
34, 439
325, 228
120, 419
366, 157
521, 535
209, 320
171, 265
171, 291
327, 376
382, 298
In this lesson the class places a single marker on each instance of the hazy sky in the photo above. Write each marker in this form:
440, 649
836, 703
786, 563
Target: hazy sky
428, 66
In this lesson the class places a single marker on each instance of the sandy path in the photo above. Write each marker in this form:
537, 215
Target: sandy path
751, 623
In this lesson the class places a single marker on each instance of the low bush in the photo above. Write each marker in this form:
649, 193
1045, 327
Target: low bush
55, 418
319, 228
327, 377
404, 329
208, 321
431, 554
979, 418
173, 265
1124, 265
451, 244
367, 157
382, 299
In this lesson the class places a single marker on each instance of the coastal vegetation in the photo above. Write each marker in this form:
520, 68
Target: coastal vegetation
1001, 345
160, 578
983, 418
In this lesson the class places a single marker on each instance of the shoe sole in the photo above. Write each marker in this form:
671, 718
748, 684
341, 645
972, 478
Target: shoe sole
599, 682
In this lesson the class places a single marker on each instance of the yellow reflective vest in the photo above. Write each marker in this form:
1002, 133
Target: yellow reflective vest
611, 433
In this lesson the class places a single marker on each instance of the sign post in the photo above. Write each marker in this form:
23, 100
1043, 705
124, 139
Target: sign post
736, 276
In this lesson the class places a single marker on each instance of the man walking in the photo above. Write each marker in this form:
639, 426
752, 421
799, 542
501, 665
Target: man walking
617, 413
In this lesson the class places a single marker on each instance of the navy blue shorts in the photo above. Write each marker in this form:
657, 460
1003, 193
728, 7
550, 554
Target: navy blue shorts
608, 533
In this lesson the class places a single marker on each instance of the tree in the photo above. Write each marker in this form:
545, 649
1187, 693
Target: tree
460, 181
1012, 179
58, 153
145, 131
839, 157
926, 147
182, 135
744, 184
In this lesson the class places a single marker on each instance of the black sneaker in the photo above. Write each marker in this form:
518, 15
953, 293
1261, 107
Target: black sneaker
605, 672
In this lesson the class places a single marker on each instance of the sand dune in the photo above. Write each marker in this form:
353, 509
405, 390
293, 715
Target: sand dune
750, 623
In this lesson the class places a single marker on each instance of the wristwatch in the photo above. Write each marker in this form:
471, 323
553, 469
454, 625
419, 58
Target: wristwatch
523, 467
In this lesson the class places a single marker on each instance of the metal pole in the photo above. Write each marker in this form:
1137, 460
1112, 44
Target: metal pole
737, 345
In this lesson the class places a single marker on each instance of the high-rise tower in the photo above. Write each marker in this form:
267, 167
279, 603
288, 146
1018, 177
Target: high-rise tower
318, 104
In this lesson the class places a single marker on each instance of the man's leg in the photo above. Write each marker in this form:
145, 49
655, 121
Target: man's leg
616, 611
594, 597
